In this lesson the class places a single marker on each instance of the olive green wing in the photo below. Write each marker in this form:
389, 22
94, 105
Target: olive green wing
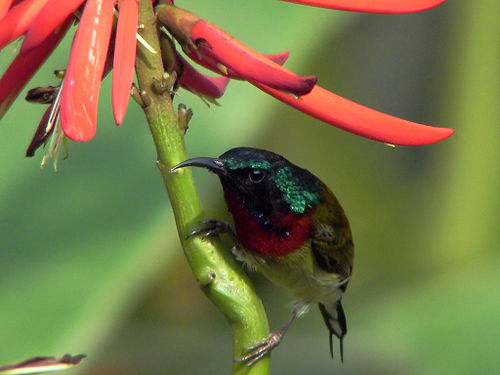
331, 242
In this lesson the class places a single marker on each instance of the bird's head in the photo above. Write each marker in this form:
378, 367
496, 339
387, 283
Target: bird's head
263, 182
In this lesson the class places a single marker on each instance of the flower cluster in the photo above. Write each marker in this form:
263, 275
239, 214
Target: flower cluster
101, 45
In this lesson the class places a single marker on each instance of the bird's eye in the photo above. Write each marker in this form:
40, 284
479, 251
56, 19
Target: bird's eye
256, 176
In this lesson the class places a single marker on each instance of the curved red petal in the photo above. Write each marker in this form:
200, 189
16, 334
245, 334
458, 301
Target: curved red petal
124, 57
24, 66
279, 58
194, 81
373, 6
247, 63
18, 20
50, 16
214, 87
355, 118
82, 82
4, 7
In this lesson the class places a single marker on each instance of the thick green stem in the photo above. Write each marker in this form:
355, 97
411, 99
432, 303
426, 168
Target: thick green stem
217, 274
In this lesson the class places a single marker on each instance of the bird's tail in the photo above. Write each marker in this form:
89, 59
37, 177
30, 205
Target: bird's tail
334, 317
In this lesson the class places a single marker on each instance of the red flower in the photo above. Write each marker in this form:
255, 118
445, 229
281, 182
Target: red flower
373, 6
99, 46
218, 51
40, 20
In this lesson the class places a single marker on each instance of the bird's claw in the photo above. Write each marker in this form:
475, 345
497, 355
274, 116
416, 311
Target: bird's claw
260, 349
211, 228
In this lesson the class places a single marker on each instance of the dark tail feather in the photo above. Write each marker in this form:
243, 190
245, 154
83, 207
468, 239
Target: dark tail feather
335, 321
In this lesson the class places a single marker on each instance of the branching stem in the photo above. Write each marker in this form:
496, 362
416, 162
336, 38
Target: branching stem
221, 279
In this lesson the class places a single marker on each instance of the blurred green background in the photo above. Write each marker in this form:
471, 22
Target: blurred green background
89, 257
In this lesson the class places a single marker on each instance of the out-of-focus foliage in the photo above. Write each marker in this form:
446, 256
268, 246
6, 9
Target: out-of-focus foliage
90, 261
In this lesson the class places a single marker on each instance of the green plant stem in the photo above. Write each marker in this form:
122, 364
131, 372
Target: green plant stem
217, 274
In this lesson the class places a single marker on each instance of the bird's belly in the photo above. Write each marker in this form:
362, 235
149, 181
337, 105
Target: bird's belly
297, 272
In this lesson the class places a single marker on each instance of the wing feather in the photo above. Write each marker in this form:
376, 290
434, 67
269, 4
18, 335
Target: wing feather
332, 244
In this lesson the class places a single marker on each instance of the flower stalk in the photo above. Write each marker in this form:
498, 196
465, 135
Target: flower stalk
217, 274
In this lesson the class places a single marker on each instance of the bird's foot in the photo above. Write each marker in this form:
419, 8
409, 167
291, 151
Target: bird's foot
211, 228
261, 349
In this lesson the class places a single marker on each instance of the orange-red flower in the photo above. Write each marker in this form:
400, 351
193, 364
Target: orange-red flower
212, 47
44, 23
101, 45
373, 6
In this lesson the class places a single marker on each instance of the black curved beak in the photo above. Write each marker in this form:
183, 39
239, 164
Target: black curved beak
214, 165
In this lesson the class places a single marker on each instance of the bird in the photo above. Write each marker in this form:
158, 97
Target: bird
290, 227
